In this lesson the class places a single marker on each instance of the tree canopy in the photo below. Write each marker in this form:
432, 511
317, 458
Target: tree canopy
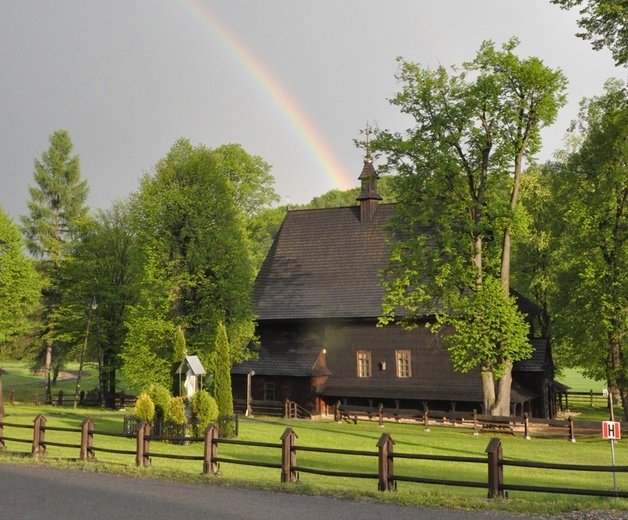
19, 282
195, 267
459, 174
604, 23
57, 213
589, 300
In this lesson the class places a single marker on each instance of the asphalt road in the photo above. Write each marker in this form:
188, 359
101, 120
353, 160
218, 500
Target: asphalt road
36, 492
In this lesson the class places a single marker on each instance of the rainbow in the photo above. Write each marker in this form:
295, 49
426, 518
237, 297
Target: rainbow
281, 98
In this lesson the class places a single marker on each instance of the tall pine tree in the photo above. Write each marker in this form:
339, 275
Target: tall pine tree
57, 209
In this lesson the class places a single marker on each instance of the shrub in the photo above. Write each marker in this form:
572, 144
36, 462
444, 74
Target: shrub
144, 408
204, 409
175, 411
161, 397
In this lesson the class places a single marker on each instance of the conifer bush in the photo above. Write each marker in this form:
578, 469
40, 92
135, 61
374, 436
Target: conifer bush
160, 396
175, 411
144, 408
204, 409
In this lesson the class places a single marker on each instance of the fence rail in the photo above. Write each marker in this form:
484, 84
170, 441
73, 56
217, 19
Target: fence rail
290, 470
16, 396
478, 422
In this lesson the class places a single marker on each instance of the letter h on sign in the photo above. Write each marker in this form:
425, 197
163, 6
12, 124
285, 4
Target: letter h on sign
611, 430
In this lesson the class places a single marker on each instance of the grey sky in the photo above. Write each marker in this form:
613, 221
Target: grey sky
127, 78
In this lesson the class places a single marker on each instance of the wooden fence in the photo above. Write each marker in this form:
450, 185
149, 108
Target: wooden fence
526, 426
120, 399
590, 398
290, 470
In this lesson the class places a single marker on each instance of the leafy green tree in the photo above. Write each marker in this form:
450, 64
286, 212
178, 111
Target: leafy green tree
19, 282
249, 176
101, 268
534, 251
57, 211
459, 176
253, 196
591, 301
196, 270
263, 228
604, 23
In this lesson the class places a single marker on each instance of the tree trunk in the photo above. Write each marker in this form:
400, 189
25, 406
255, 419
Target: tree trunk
47, 372
488, 390
624, 402
502, 404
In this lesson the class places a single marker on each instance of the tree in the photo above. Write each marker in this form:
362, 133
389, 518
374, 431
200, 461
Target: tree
19, 282
534, 252
605, 24
57, 211
252, 192
591, 301
102, 267
195, 266
459, 175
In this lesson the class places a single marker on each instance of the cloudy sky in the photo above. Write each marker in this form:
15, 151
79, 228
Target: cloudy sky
293, 81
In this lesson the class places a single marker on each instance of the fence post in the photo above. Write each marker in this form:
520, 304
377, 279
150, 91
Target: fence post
426, 421
211, 451
380, 415
39, 436
36, 399
87, 439
60, 398
386, 463
572, 433
12, 397
591, 394
2, 445
143, 445
475, 422
495, 469
288, 456
526, 423
337, 417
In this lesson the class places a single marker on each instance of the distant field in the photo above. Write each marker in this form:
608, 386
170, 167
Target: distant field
579, 383
21, 380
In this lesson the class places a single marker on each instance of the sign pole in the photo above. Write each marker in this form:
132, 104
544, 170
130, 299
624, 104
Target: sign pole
612, 441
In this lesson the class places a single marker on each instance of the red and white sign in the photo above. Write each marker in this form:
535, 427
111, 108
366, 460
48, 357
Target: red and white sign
611, 430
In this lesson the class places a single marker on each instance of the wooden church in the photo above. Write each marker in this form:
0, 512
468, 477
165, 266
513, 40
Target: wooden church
318, 297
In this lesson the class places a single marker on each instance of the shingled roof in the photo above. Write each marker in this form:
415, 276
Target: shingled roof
325, 264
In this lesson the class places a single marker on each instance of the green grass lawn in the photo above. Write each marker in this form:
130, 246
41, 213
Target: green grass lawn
580, 406
574, 379
409, 438
24, 383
